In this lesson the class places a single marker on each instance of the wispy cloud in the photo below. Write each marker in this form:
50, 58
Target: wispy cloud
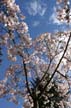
53, 18
35, 7
36, 23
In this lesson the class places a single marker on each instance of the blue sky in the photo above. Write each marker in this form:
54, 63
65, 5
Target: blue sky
40, 17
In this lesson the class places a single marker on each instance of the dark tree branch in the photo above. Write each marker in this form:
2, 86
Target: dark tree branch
67, 59
26, 76
56, 67
61, 74
48, 66
44, 74
25, 70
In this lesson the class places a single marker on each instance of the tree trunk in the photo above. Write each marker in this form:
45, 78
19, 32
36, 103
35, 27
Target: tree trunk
36, 104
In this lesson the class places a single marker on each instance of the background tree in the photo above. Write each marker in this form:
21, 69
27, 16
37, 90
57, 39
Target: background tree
38, 72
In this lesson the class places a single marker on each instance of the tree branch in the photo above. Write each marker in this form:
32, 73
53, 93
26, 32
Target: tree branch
61, 74
26, 76
44, 74
56, 67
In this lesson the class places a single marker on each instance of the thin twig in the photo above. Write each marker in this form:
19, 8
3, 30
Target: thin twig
67, 59
61, 74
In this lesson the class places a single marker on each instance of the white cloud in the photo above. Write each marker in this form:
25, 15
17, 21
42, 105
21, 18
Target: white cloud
36, 7
36, 23
53, 18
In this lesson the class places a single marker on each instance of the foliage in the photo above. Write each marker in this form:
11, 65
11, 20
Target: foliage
38, 72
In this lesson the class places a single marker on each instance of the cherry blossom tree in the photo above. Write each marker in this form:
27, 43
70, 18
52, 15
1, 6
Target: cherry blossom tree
37, 76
